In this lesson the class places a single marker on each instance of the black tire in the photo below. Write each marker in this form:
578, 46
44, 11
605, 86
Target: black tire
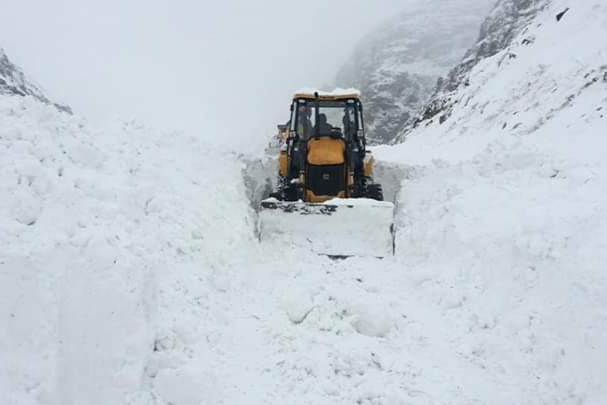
291, 193
374, 192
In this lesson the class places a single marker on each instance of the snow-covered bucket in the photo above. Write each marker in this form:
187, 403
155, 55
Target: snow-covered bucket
339, 227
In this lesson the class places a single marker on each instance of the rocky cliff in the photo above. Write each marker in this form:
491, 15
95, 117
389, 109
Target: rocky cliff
14, 82
396, 67
507, 19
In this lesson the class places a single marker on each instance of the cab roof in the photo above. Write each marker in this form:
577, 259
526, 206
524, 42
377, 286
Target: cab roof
335, 95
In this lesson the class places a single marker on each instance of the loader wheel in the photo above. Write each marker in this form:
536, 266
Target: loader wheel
291, 194
374, 192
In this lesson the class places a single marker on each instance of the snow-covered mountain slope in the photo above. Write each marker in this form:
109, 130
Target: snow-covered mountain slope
507, 19
130, 272
396, 66
504, 218
13, 81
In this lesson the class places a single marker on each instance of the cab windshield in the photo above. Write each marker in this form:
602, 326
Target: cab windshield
331, 118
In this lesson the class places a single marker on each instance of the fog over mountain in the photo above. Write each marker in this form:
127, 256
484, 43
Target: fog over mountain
506, 20
397, 65
185, 64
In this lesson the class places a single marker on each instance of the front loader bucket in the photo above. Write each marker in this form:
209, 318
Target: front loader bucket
339, 227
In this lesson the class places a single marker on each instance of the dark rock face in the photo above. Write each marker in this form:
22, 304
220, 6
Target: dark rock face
14, 82
506, 20
397, 66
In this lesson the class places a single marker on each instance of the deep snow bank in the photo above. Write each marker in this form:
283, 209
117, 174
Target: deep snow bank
503, 220
89, 221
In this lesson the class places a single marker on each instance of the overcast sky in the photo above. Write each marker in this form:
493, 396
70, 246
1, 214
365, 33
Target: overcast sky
212, 66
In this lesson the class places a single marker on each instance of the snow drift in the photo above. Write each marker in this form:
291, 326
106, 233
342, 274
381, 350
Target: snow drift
90, 222
502, 215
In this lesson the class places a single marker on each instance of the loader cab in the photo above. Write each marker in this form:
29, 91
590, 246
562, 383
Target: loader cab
326, 147
314, 116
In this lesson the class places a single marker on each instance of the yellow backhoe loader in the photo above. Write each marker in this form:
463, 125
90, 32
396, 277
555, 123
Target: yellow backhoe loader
325, 197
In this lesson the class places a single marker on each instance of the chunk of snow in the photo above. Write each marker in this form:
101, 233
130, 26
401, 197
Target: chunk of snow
298, 304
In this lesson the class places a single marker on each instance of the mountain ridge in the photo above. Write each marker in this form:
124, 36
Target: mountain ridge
14, 82
397, 65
